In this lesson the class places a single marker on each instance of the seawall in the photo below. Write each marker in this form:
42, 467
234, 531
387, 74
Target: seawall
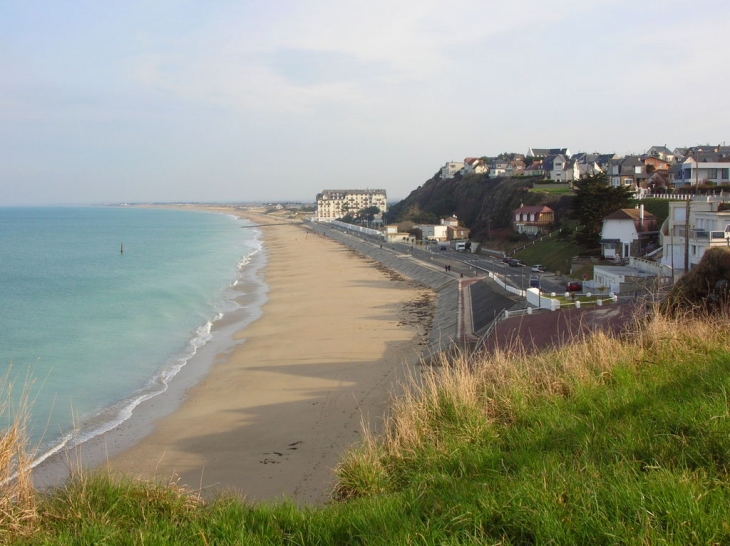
444, 331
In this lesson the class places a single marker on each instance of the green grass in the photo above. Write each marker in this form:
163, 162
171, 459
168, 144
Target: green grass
607, 441
546, 189
553, 253
556, 254
658, 207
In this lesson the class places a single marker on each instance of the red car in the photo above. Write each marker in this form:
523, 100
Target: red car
574, 286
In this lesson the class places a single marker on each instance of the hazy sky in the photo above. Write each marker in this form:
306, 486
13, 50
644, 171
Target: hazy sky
108, 101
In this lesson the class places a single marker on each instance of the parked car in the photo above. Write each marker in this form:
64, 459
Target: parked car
538, 268
574, 286
515, 263
534, 282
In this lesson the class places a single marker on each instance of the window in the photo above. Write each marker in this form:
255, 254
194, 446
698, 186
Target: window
712, 173
725, 173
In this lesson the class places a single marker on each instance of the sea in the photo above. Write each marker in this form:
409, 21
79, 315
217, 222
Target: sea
101, 308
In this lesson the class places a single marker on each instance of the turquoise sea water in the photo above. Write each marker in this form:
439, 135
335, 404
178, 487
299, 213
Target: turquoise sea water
94, 331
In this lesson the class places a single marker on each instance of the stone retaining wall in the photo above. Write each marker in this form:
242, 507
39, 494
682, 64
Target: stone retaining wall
444, 329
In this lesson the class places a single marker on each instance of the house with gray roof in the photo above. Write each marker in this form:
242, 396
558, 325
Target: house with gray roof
535, 168
661, 152
544, 152
498, 167
592, 163
628, 171
559, 168
702, 168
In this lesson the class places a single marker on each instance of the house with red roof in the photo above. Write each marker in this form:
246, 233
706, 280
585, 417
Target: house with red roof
532, 219
474, 165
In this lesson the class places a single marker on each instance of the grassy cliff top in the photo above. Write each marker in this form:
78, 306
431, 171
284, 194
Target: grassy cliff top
610, 440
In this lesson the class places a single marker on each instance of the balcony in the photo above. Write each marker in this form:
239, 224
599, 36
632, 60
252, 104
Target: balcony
701, 235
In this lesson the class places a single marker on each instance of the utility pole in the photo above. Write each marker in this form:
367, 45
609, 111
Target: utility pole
686, 236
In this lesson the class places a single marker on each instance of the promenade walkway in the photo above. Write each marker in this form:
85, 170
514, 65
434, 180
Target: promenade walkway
464, 304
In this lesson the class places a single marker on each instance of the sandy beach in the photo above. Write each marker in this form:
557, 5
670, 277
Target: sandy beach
272, 417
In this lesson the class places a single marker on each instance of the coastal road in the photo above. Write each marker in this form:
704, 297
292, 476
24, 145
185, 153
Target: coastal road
480, 299
469, 264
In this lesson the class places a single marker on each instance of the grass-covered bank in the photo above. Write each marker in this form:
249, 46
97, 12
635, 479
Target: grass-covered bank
605, 441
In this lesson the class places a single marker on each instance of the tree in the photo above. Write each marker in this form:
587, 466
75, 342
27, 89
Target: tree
424, 218
594, 199
417, 233
368, 213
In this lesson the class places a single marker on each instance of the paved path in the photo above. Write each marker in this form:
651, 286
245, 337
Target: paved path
467, 306
555, 328
464, 304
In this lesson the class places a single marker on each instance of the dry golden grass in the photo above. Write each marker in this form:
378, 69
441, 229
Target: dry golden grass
493, 387
18, 514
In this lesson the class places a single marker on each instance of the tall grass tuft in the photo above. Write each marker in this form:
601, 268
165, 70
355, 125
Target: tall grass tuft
613, 439
464, 400
18, 514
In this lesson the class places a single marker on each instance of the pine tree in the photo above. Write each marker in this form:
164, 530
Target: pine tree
594, 199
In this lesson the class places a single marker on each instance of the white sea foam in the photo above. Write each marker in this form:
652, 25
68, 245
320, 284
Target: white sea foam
95, 423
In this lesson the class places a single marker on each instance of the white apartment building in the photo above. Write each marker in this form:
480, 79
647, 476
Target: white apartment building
688, 238
434, 232
334, 204
451, 168
693, 172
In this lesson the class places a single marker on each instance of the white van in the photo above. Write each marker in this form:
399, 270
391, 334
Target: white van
460, 247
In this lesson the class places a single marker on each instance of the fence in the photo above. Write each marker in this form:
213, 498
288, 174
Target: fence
536, 299
353, 227
721, 197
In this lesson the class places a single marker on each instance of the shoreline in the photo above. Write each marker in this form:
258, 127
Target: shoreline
94, 451
272, 415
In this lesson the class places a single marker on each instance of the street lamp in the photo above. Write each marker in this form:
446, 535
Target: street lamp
522, 278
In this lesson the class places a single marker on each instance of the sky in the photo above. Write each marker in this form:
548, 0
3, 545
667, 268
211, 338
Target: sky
276, 100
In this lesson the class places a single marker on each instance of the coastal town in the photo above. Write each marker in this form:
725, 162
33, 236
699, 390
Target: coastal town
634, 244
364, 273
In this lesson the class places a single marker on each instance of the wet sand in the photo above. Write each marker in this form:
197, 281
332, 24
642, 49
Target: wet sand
273, 416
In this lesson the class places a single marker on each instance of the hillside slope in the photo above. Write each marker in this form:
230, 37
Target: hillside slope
481, 203
610, 440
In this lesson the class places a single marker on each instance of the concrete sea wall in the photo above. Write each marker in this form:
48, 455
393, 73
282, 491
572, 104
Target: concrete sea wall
446, 288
